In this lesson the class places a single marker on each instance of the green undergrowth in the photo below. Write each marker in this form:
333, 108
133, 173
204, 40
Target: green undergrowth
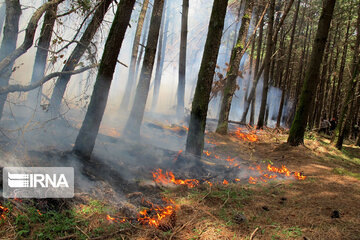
81, 222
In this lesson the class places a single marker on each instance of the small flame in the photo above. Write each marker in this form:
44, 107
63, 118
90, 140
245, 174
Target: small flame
3, 211
169, 177
112, 219
159, 214
252, 180
251, 137
225, 182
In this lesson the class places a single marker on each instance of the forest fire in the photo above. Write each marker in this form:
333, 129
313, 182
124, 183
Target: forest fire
169, 177
3, 211
240, 134
113, 219
156, 215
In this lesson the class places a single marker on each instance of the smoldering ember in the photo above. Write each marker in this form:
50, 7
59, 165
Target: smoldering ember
179, 119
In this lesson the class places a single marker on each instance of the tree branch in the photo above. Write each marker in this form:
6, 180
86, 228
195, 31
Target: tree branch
29, 35
26, 88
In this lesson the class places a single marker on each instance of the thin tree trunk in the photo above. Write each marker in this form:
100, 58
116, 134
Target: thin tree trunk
34, 97
195, 138
230, 84
287, 68
134, 54
298, 127
160, 56
8, 44
182, 60
2, 16
343, 126
85, 140
77, 53
267, 63
133, 124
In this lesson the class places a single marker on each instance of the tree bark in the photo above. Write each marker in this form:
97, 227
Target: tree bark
195, 138
133, 125
232, 75
343, 126
267, 62
160, 55
2, 16
77, 53
134, 54
34, 97
182, 60
8, 44
85, 140
297, 131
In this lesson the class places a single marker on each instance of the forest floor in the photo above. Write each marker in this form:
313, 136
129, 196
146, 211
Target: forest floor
323, 206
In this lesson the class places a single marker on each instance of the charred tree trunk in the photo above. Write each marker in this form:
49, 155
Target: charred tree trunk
297, 131
134, 54
195, 138
8, 44
230, 84
133, 124
34, 97
182, 60
77, 53
85, 140
160, 56
287, 68
267, 63
343, 126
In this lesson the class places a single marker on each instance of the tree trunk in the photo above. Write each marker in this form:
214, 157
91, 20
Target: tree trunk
85, 140
182, 59
287, 68
343, 126
267, 62
133, 124
160, 55
232, 75
134, 54
195, 138
298, 127
8, 44
34, 97
77, 53
2, 16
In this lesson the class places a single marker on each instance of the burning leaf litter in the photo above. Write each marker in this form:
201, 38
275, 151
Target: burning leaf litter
3, 212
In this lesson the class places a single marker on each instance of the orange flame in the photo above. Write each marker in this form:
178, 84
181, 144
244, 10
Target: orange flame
112, 219
3, 211
169, 177
225, 182
251, 137
286, 172
160, 214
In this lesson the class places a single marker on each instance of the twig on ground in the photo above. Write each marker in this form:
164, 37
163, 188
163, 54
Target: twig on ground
227, 199
253, 233
82, 232
181, 228
66, 237
110, 235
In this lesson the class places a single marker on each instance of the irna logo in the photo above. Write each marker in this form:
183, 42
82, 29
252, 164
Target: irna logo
36, 180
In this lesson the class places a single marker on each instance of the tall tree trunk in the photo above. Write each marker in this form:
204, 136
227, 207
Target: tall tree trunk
257, 63
160, 55
342, 69
195, 138
77, 53
182, 60
2, 16
34, 97
85, 140
267, 63
134, 54
343, 126
232, 75
133, 124
287, 68
298, 127
8, 44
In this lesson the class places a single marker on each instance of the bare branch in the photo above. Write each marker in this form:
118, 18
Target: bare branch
29, 35
26, 88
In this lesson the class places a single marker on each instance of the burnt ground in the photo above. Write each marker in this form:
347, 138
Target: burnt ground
323, 206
